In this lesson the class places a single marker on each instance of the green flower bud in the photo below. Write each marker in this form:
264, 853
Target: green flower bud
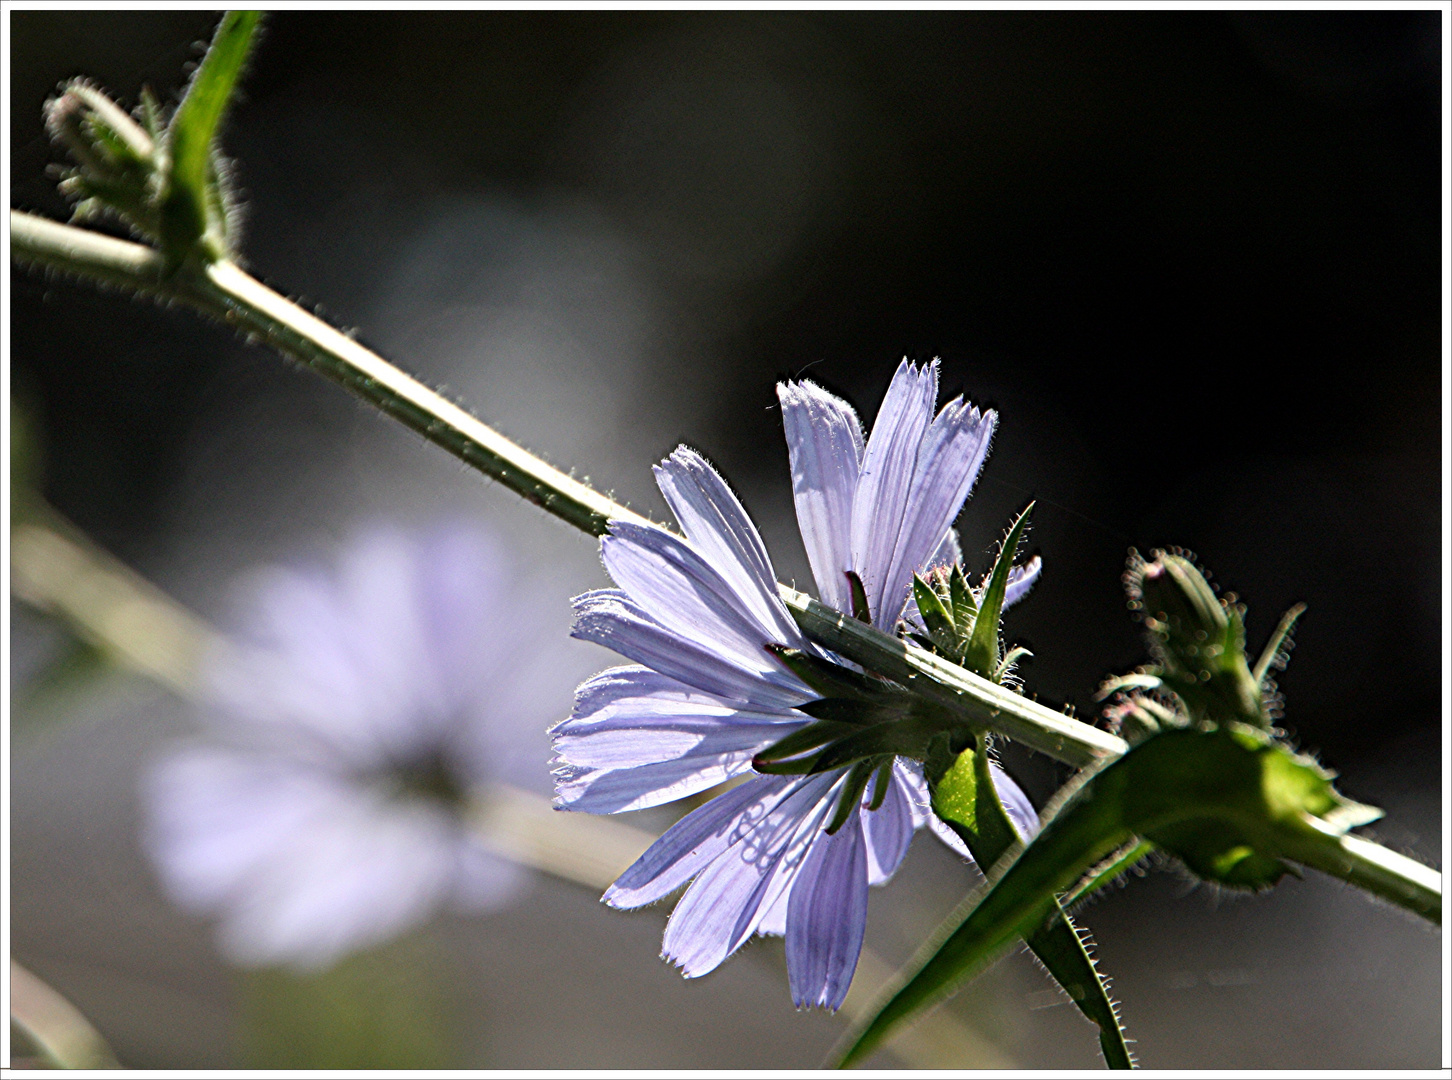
116, 168
1197, 640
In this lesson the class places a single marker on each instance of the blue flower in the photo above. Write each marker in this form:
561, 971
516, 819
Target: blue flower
349, 723
705, 694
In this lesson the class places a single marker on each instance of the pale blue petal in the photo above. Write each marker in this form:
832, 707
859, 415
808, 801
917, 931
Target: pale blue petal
772, 922
291, 678
656, 739
725, 904
949, 552
827, 918
824, 439
948, 461
378, 579
630, 699
672, 584
888, 466
718, 528
300, 866
639, 739
462, 591
667, 740
638, 787
1020, 580
696, 840
888, 830
608, 617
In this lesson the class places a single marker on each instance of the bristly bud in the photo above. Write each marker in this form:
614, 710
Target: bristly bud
1179, 606
1137, 716
168, 183
116, 171
1197, 640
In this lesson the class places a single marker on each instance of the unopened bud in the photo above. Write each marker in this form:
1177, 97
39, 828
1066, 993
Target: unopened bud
1198, 640
115, 157
1178, 603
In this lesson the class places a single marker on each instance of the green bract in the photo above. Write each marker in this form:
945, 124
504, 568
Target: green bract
963, 625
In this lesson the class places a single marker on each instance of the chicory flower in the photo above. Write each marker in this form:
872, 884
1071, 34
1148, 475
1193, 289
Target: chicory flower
705, 695
350, 722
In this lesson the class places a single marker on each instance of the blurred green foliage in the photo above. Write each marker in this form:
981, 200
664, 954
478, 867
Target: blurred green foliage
387, 1008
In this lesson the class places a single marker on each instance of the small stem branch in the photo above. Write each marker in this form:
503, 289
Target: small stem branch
225, 292
1378, 870
57, 1028
88, 254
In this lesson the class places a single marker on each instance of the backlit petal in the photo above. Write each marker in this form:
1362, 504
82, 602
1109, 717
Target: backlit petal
824, 440
827, 918
888, 466
719, 529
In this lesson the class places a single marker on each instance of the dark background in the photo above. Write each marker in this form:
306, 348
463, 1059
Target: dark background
1192, 258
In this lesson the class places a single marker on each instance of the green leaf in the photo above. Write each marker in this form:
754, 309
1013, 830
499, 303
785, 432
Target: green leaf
1220, 851
1107, 871
860, 611
1241, 790
192, 208
981, 656
965, 607
936, 617
965, 798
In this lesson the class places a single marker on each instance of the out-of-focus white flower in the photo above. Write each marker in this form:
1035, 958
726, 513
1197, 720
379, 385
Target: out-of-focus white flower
348, 724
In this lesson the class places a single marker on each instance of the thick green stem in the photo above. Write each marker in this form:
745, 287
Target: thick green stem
979, 701
225, 292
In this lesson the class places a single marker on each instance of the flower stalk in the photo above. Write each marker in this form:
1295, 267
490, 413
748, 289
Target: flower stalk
225, 292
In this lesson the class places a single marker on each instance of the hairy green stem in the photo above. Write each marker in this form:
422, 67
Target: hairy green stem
223, 291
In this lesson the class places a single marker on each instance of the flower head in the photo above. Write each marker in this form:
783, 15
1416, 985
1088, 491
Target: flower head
775, 854
353, 718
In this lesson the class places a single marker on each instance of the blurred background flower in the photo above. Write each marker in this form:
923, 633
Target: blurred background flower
364, 707
1191, 258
